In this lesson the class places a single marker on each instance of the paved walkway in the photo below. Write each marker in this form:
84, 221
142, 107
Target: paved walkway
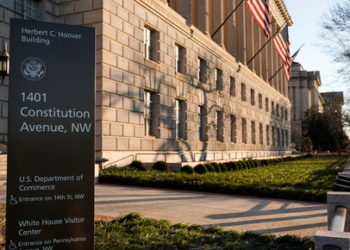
238, 213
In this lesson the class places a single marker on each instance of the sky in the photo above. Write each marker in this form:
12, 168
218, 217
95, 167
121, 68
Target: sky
307, 18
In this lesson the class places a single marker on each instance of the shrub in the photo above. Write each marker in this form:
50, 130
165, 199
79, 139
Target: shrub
161, 166
216, 166
242, 165
289, 158
210, 167
137, 165
257, 163
264, 162
187, 169
200, 169
229, 166
251, 164
308, 155
223, 167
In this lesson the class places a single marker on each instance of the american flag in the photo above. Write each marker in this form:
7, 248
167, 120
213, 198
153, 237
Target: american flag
259, 9
281, 45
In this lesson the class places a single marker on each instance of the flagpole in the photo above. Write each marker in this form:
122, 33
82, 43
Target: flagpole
266, 43
216, 31
292, 59
276, 73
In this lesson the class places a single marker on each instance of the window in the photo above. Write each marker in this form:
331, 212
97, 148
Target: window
252, 97
243, 92
150, 43
277, 110
180, 112
260, 101
150, 113
286, 114
202, 123
261, 133
180, 58
233, 129
202, 70
282, 113
244, 131
219, 126
26, 9
267, 104
253, 132
219, 79
232, 86
272, 107
273, 136
267, 135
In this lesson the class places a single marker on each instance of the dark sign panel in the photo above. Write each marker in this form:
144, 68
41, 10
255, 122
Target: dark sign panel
50, 189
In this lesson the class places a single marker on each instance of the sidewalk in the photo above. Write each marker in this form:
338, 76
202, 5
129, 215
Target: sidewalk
257, 215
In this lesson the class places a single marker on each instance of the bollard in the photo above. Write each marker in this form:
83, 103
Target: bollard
338, 220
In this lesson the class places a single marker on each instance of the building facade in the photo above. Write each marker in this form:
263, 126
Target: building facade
303, 94
166, 87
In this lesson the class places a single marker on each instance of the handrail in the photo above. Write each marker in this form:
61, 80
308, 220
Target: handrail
114, 162
164, 154
338, 221
203, 156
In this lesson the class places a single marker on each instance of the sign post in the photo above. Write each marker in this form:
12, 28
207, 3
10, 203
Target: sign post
50, 182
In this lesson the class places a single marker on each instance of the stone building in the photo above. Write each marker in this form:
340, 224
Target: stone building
166, 89
303, 94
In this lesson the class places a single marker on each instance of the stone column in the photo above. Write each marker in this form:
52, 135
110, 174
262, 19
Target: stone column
274, 62
292, 101
264, 58
270, 53
241, 47
257, 46
230, 27
304, 100
183, 8
298, 111
217, 19
250, 37
203, 16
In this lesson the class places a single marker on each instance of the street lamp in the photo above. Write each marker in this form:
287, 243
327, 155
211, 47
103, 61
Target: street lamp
4, 61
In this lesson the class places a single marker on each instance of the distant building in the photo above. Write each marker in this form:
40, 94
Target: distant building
304, 94
333, 101
167, 90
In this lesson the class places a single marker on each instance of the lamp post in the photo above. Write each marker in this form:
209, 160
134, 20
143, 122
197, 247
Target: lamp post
4, 61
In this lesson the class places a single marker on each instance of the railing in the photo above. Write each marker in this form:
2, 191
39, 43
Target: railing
188, 157
210, 156
119, 160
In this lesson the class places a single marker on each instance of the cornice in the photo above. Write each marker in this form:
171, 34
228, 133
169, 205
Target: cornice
280, 13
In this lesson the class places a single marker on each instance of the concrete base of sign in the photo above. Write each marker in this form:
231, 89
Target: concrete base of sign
331, 238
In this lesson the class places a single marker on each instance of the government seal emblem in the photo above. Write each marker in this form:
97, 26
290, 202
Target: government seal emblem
33, 69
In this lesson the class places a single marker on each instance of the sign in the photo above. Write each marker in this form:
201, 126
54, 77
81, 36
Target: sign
50, 182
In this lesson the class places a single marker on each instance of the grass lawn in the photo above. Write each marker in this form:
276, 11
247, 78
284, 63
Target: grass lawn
132, 232
305, 179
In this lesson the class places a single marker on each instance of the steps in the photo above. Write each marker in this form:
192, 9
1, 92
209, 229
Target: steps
342, 184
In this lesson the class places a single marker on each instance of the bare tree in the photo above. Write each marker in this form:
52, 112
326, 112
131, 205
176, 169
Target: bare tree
335, 36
